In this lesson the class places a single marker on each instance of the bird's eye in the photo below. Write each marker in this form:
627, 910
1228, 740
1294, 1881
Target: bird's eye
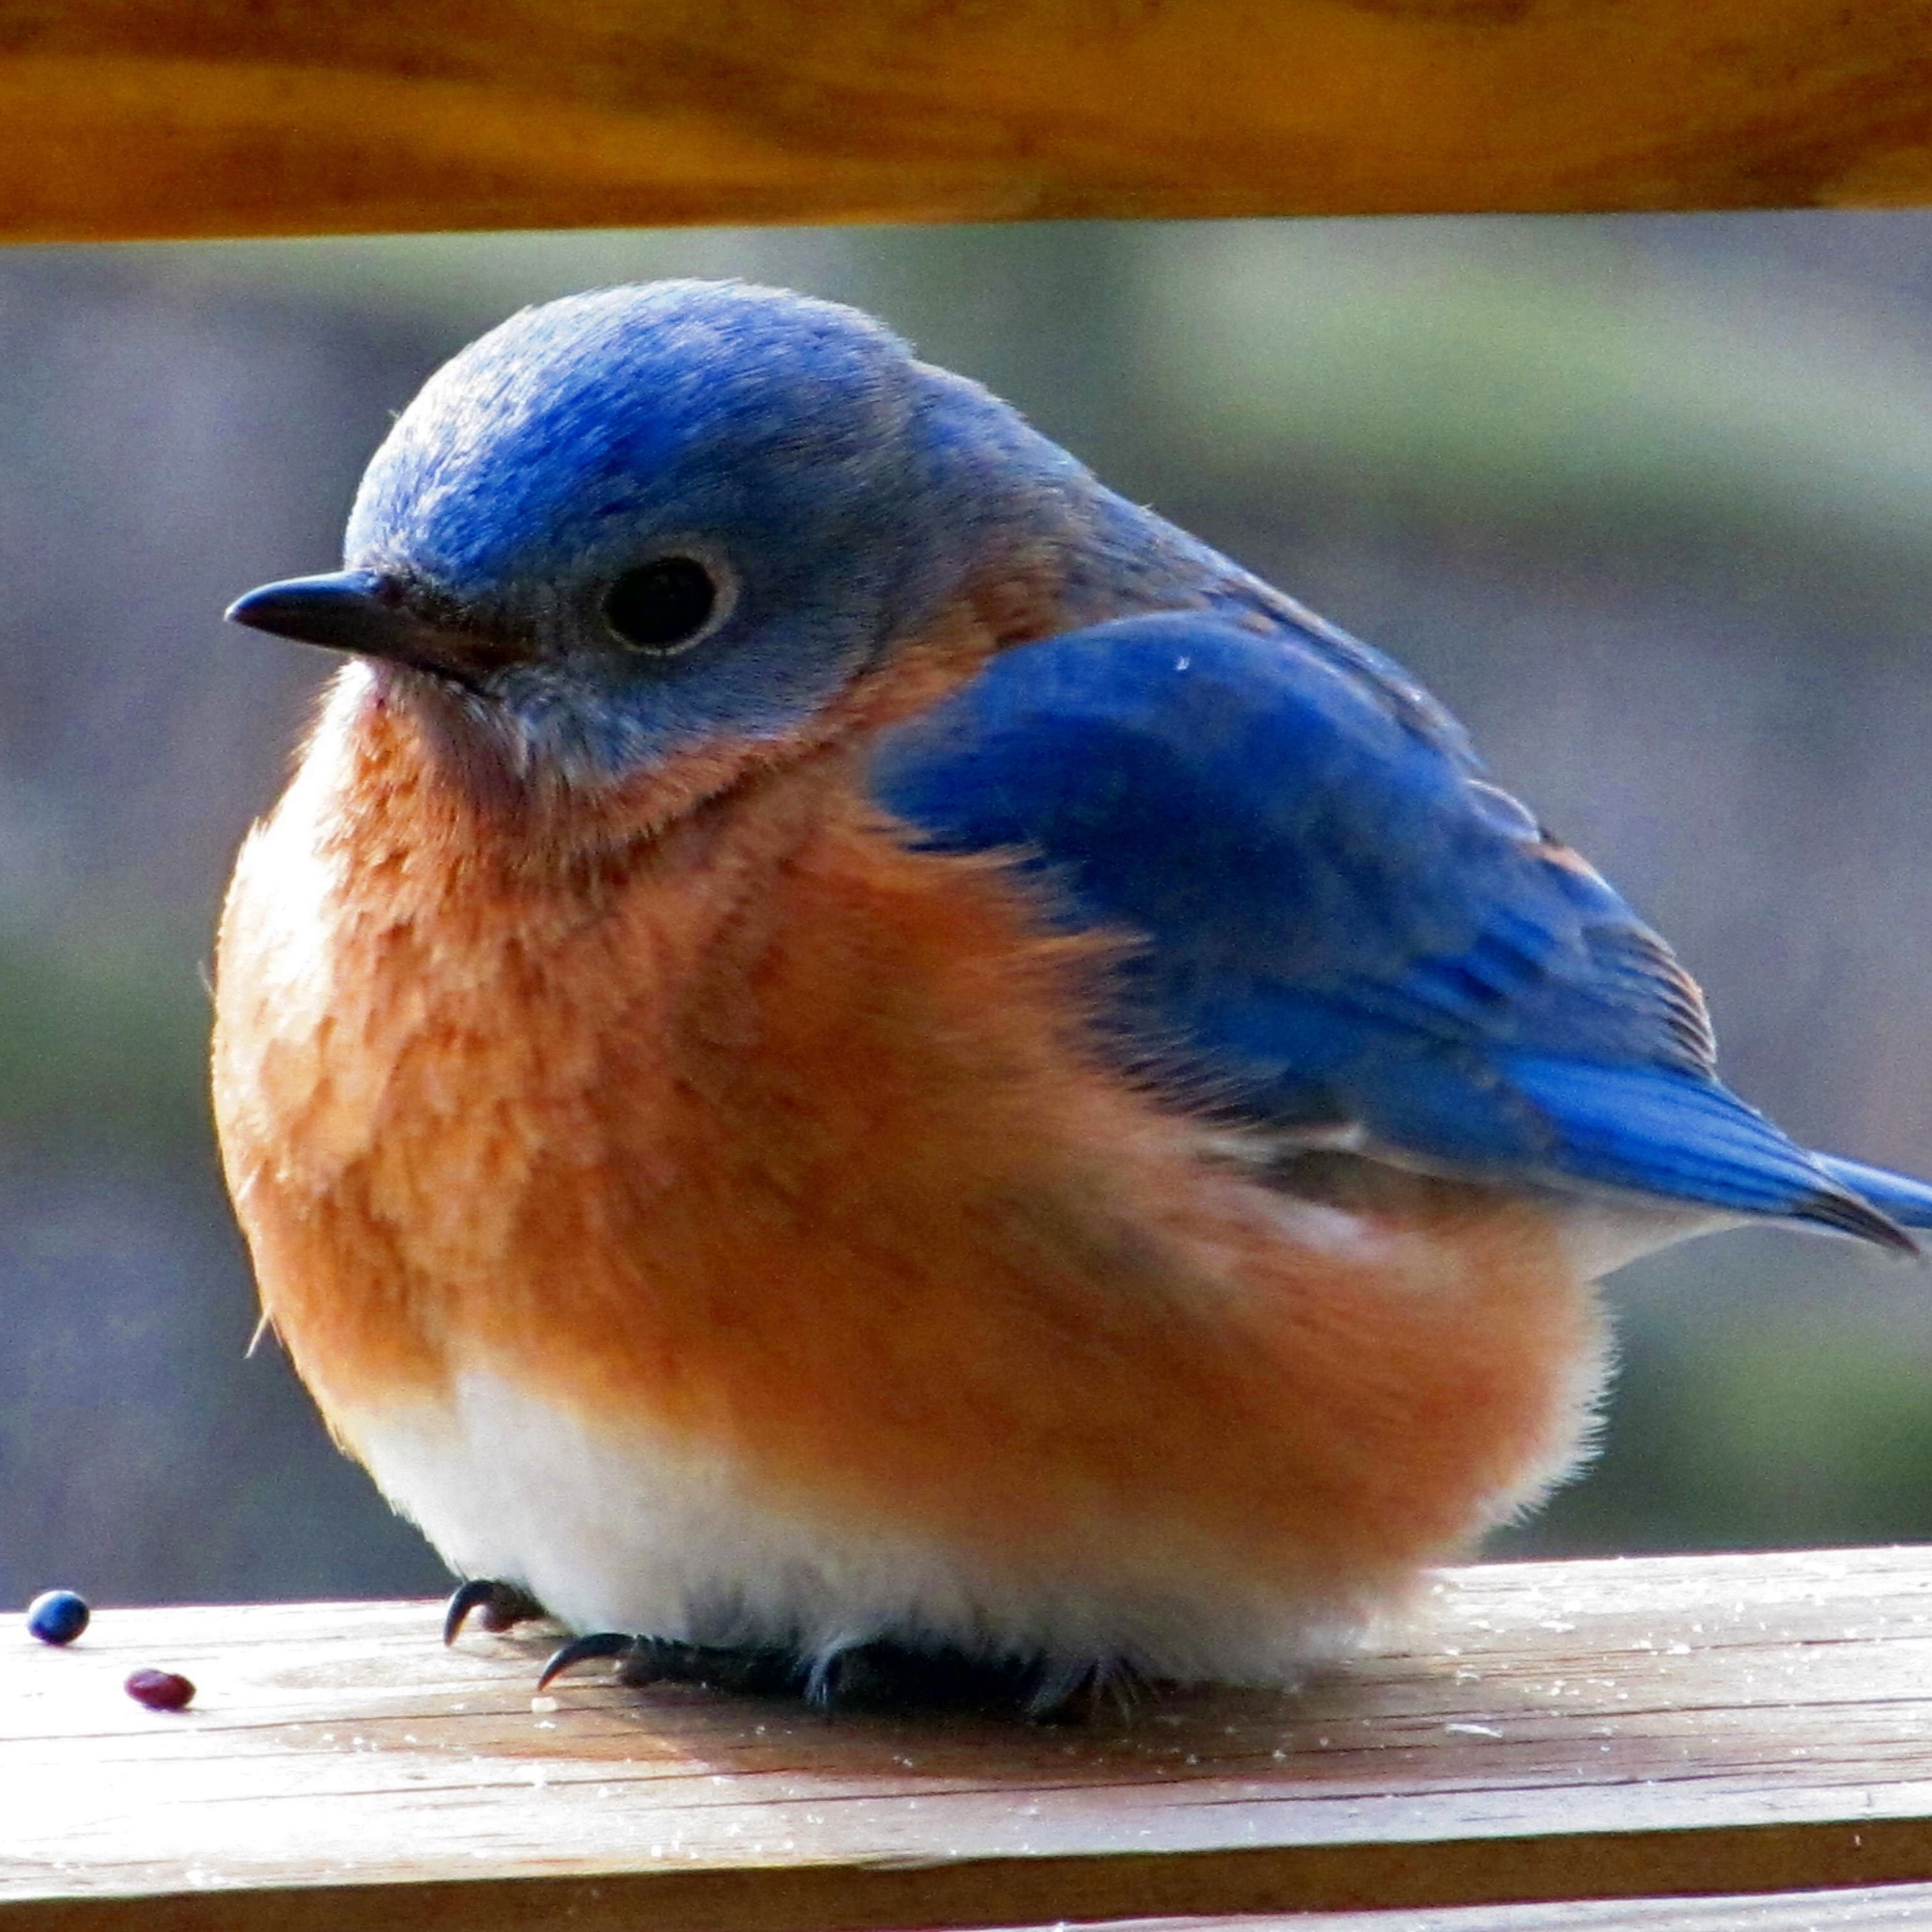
661, 605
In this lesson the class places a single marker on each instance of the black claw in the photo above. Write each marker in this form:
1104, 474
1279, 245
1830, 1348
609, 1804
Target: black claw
581, 1650
503, 1605
1058, 1698
1078, 1705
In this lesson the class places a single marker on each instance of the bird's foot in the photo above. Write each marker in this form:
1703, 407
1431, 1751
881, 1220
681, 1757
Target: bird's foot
656, 1659
503, 1606
889, 1676
881, 1676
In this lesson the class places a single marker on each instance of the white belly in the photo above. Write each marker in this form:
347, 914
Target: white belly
643, 1537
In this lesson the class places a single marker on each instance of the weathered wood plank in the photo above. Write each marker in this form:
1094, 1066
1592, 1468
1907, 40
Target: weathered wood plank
1606, 1730
1870, 1909
126, 119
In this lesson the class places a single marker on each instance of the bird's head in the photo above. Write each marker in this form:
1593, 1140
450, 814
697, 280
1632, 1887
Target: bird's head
641, 522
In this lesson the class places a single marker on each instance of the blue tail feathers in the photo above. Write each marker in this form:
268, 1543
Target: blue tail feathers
1896, 1196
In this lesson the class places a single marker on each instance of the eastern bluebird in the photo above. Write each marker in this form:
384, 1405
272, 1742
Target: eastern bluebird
855, 1065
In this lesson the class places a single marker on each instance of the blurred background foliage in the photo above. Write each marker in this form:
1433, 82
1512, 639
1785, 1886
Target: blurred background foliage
1647, 500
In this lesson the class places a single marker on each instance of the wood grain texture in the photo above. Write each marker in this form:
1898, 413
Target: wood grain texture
1589, 1731
132, 118
1884, 1908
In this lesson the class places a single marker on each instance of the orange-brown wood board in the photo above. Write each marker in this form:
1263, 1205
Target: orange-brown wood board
1590, 1731
130, 118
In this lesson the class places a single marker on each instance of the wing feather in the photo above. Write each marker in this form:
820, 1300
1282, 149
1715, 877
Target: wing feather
1338, 923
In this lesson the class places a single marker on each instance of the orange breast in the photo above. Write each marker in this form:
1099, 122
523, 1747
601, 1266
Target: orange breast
791, 1141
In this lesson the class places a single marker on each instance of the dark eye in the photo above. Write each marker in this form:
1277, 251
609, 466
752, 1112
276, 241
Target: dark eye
661, 604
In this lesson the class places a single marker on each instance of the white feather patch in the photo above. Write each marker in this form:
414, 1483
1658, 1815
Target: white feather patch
625, 1533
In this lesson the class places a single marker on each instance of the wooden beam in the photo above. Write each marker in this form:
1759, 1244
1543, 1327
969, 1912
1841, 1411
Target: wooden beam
1885, 1908
1580, 1731
136, 118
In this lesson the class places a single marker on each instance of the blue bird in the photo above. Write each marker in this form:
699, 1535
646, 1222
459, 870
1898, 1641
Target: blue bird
858, 1066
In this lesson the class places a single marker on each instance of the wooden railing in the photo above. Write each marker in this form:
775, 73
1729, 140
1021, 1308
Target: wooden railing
1646, 1730
233, 117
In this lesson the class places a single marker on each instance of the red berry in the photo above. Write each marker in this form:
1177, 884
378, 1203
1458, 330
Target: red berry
160, 1690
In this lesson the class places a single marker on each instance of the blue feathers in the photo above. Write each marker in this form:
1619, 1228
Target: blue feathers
839, 490
1906, 1201
1337, 926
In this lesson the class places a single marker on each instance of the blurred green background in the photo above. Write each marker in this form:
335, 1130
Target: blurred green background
1647, 500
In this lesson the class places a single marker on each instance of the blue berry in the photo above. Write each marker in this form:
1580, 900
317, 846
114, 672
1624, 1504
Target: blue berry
58, 1616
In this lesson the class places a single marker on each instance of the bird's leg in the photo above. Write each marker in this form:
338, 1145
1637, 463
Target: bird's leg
503, 1605
756, 1671
877, 1677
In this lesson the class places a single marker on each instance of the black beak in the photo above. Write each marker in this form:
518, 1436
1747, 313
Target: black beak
365, 612
348, 611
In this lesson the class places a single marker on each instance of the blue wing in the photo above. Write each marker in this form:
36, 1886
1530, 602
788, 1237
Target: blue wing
1342, 928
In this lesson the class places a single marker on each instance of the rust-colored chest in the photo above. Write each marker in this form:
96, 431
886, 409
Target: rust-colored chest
590, 1115
768, 1136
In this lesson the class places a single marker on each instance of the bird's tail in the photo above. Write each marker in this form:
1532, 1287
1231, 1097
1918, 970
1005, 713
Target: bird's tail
1898, 1196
